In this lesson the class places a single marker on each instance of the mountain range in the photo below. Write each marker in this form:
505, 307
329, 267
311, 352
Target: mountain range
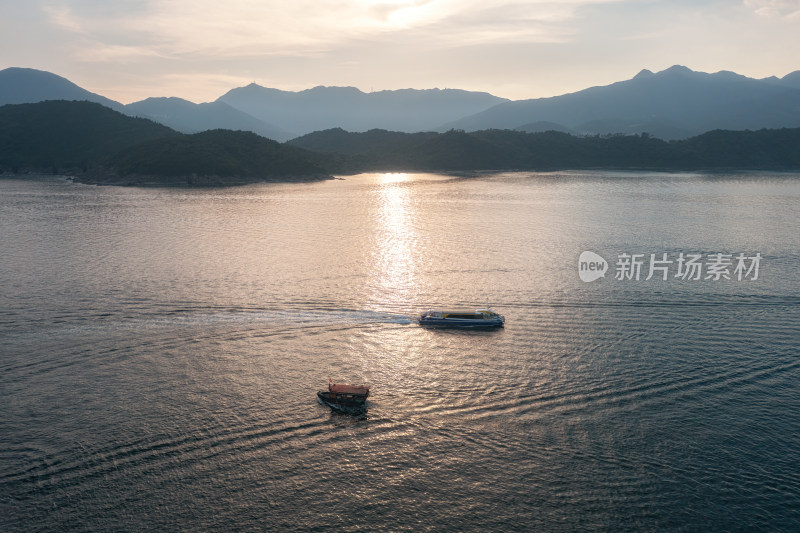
320, 108
672, 104
675, 103
96, 144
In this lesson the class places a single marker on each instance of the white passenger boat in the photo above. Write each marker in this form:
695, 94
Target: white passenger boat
479, 318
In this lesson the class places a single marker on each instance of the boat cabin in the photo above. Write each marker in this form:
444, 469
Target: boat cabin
348, 390
346, 398
479, 314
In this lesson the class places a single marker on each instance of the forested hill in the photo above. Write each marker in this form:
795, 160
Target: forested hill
99, 145
63, 135
508, 150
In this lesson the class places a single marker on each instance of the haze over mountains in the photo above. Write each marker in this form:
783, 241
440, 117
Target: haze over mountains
321, 108
672, 104
188, 117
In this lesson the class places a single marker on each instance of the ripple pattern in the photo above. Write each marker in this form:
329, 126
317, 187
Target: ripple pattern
160, 351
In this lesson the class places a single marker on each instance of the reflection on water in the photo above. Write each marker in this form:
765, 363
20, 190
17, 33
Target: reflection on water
395, 262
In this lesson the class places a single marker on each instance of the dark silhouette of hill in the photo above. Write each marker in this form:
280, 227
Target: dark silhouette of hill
27, 86
377, 141
406, 110
543, 125
675, 103
58, 136
219, 157
99, 145
188, 117
457, 150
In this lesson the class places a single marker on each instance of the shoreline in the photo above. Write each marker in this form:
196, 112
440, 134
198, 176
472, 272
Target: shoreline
215, 182
174, 182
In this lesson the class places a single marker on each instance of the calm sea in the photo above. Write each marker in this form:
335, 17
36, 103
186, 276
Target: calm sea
160, 351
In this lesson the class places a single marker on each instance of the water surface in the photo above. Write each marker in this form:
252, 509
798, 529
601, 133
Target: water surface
160, 352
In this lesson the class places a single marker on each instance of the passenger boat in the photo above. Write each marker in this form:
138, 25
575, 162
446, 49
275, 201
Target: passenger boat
346, 398
480, 318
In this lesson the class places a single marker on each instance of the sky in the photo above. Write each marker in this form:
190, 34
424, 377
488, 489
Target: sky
129, 50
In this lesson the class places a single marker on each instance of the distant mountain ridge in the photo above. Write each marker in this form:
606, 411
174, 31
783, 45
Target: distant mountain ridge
188, 117
320, 108
672, 104
29, 86
675, 103
272, 113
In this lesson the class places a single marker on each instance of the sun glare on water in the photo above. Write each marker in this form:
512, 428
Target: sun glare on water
396, 238
393, 177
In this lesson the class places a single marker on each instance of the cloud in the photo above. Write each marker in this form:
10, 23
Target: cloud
514, 48
181, 28
63, 17
101, 33
775, 8
96, 52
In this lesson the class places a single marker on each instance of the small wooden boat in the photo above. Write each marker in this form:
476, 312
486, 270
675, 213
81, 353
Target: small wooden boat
345, 398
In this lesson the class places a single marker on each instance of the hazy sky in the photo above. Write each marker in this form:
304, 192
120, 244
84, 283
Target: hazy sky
199, 49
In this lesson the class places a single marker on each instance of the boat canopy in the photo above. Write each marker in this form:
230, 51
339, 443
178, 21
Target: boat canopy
460, 313
348, 389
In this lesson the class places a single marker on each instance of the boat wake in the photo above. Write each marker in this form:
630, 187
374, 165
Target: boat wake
199, 321
265, 321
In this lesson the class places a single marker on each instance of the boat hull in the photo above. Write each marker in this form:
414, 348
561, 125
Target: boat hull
344, 405
430, 322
